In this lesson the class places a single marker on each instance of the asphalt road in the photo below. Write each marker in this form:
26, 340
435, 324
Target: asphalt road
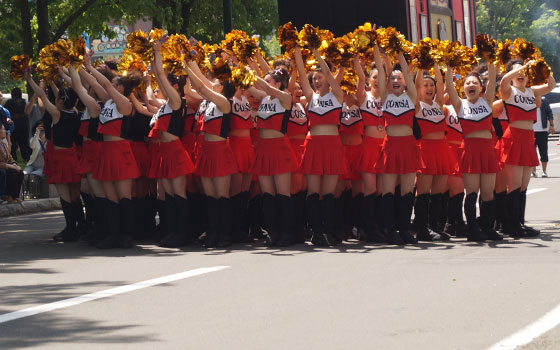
455, 295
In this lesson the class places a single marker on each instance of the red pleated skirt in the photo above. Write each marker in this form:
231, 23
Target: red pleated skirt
323, 155
90, 156
63, 166
189, 142
477, 156
274, 156
435, 157
215, 159
353, 156
298, 146
371, 151
47, 156
454, 154
173, 161
116, 162
242, 148
518, 147
399, 155
142, 157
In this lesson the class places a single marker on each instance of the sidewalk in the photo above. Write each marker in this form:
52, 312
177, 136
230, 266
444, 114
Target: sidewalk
29, 206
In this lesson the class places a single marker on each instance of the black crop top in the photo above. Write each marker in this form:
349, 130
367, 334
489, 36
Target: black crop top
65, 131
139, 127
47, 123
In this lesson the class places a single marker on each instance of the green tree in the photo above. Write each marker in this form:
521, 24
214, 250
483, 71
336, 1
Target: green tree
534, 20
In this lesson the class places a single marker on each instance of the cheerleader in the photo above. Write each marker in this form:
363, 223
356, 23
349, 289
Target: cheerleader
116, 167
215, 161
478, 162
400, 158
431, 180
371, 108
518, 153
63, 160
274, 158
174, 162
323, 157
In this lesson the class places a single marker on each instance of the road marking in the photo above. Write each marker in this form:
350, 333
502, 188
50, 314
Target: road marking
532, 331
106, 293
535, 190
551, 159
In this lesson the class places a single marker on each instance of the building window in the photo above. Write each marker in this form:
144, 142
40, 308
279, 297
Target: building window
424, 26
440, 3
459, 31
413, 22
466, 12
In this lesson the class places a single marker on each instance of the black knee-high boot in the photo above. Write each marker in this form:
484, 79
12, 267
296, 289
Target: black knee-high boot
162, 225
127, 217
405, 212
90, 210
240, 228
487, 220
286, 210
141, 217
356, 205
69, 234
443, 214
339, 226
388, 209
226, 212
197, 213
182, 235
435, 212
315, 218
213, 226
499, 210
513, 226
255, 214
455, 224
270, 224
81, 226
170, 215
424, 233
529, 231
113, 226
300, 218
328, 213
370, 219
474, 234
100, 222
344, 216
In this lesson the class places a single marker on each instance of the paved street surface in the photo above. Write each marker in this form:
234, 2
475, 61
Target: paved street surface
455, 295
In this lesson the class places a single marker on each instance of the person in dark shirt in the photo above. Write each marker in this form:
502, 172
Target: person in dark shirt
20, 135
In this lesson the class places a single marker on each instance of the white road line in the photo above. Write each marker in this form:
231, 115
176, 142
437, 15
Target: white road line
532, 331
106, 293
535, 190
551, 159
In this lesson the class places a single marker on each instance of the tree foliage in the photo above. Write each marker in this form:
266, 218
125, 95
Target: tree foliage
534, 20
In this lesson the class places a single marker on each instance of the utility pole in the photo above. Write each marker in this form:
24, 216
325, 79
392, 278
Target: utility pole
227, 16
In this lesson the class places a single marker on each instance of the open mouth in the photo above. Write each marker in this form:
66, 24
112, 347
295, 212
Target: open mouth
471, 91
396, 86
521, 79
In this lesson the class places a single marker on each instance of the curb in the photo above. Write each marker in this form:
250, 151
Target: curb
29, 207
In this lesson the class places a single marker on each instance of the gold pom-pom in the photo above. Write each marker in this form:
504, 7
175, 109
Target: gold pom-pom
505, 53
349, 81
288, 37
242, 77
19, 64
245, 48
155, 35
130, 61
77, 52
340, 52
138, 43
309, 60
221, 69
61, 52
363, 38
393, 42
485, 47
425, 54
456, 55
47, 66
231, 38
526, 50
173, 53
537, 72
309, 37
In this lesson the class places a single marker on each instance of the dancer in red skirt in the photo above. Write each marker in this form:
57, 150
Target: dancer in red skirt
437, 164
174, 161
323, 158
478, 161
274, 158
371, 108
64, 160
116, 168
400, 157
215, 162
519, 154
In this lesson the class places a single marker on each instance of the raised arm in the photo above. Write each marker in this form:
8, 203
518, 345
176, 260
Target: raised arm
53, 110
220, 100
490, 94
124, 106
544, 89
381, 73
451, 91
361, 91
293, 77
262, 63
93, 107
335, 86
168, 90
139, 107
284, 97
88, 79
410, 87
30, 104
440, 89
305, 86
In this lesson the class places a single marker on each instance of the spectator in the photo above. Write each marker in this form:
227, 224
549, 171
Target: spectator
6, 120
543, 126
38, 144
34, 111
14, 175
20, 135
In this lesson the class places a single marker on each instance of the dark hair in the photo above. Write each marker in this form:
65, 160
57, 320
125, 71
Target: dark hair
50, 94
477, 76
112, 65
228, 90
426, 75
280, 62
510, 64
499, 78
319, 69
129, 83
68, 97
481, 68
107, 73
16, 93
280, 76
35, 125
398, 67
180, 80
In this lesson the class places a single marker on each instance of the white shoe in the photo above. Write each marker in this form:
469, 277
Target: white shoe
544, 174
533, 174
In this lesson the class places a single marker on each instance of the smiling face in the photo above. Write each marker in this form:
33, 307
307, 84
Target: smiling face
272, 82
397, 82
298, 92
428, 90
473, 88
520, 80
374, 80
320, 83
